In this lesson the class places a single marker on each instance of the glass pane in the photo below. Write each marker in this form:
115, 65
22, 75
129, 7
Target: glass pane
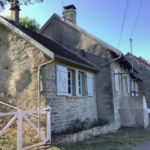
68, 74
79, 90
79, 83
69, 90
68, 81
79, 76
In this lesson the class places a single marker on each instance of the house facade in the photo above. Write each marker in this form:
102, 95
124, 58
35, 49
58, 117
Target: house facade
114, 80
66, 68
144, 68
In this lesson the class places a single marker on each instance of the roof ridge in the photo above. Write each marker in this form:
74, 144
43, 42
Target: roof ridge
138, 58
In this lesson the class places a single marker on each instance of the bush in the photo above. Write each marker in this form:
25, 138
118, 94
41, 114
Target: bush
100, 122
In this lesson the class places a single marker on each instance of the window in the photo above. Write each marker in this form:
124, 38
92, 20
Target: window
128, 85
116, 73
80, 84
69, 82
73, 83
134, 88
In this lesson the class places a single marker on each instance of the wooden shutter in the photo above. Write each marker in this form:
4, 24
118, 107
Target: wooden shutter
62, 80
116, 80
128, 85
89, 84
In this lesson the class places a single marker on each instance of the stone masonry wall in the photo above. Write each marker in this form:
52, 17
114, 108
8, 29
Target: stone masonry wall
144, 74
119, 96
66, 109
19, 63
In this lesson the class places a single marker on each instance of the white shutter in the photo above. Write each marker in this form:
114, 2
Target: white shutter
116, 80
62, 80
128, 85
89, 84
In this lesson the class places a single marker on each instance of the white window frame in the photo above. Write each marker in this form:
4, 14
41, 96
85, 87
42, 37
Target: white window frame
70, 94
80, 74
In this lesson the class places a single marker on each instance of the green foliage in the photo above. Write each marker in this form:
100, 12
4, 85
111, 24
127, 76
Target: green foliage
100, 122
28, 23
3, 3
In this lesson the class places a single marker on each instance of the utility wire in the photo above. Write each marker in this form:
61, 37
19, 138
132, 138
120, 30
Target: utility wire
126, 8
136, 18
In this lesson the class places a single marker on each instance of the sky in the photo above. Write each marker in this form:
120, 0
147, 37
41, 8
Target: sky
103, 19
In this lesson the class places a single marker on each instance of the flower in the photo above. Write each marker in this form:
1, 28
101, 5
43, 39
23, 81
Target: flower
87, 119
78, 119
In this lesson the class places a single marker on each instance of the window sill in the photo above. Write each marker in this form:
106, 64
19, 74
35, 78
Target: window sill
77, 97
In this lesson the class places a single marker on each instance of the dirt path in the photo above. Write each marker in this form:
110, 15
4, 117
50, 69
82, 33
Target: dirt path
145, 146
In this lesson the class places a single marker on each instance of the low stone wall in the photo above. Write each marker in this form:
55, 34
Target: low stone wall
83, 135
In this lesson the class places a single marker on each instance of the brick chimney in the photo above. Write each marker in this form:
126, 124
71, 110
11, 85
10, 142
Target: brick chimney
15, 8
70, 13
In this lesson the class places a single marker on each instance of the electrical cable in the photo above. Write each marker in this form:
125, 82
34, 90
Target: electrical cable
123, 22
136, 18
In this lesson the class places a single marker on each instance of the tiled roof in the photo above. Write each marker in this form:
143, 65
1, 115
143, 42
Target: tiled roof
59, 51
140, 59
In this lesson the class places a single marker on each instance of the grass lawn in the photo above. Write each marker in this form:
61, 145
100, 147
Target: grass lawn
122, 140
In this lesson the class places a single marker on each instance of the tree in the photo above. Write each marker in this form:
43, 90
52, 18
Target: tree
21, 2
28, 23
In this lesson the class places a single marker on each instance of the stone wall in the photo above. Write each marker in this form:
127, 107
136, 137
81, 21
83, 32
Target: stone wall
119, 96
83, 135
133, 111
19, 63
144, 74
66, 109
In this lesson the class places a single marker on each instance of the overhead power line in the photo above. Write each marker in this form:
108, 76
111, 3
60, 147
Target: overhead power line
126, 8
136, 18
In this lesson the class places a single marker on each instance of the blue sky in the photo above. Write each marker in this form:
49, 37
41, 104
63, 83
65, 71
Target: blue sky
102, 18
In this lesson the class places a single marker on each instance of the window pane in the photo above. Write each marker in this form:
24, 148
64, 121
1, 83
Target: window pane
79, 90
79, 76
69, 90
68, 81
68, 74
79, 83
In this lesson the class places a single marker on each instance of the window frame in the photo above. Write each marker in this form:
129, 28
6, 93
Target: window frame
71, 93
80, 85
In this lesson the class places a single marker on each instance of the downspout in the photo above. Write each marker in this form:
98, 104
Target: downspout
120, 55
39, 88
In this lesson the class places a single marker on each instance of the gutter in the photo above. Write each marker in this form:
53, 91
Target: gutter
120, 55
39, 88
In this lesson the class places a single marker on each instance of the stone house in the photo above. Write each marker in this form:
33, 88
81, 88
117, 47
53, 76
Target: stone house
143, 67
65, 67
114, 81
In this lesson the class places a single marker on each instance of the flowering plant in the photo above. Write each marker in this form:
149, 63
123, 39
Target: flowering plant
82, 125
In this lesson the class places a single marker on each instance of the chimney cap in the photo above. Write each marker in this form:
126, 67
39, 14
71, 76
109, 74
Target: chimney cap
15, 5
69, 7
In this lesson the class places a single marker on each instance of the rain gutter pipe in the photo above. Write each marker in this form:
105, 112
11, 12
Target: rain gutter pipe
120, 55
39, 88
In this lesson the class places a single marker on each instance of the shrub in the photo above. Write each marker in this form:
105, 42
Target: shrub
100, 122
